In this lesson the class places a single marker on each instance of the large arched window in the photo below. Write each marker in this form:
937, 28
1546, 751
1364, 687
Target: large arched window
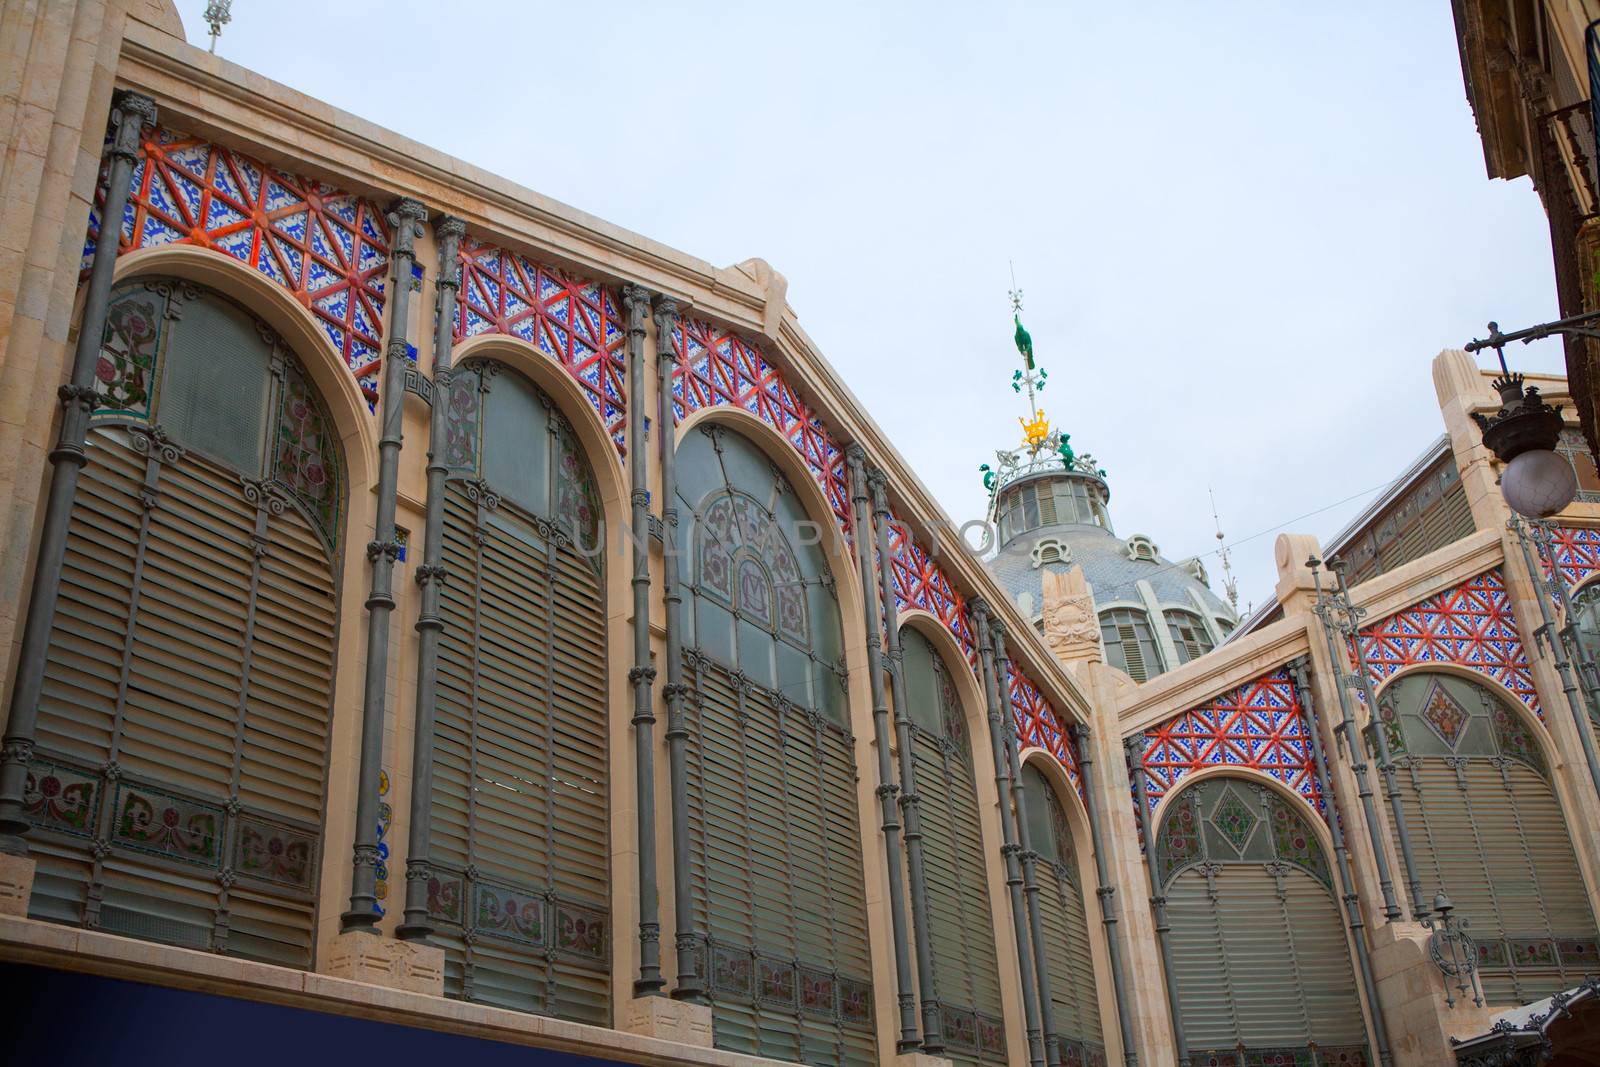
177, 789
1486, 829
1189, 634
1258, 949
519, 888
966, 973
1073, 989
779, 895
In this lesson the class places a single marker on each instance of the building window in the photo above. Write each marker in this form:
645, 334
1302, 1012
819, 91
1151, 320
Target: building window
1189, 634
1259, 956
177, 790
519, 874
1130, 645
1050, 550
1073, 988
780, 913
1488, 831
1141, 547
1576, 450
966, 971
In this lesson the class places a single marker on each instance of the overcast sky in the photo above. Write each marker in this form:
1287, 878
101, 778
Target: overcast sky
1242, 230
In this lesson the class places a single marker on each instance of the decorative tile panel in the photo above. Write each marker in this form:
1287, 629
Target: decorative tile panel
576, 323
1577, 554
920, 582
1470, 626
855, 1001
514, 914
275, 853
446, 890
1259, 725
61, 798
328, 248
581, 931
153, 821
717, 367
1038, 725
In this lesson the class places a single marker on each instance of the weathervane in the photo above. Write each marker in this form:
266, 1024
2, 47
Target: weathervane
1035, 428
218, 13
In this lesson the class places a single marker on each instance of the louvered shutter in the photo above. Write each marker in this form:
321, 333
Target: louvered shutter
1073, 989
519, 888
777, 873
185, 710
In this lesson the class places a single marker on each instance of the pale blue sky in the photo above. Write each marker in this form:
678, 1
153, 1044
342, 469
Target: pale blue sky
1243, 229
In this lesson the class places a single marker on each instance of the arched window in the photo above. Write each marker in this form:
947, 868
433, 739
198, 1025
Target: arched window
1073, 989
177, 789
1141, 547
1130, 644
519, 887
1189, 634
1050, 550
1586, 614
1487, 830
966, 973
776, 846
1258, 948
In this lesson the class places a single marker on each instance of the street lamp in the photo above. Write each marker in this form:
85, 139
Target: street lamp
1537, 481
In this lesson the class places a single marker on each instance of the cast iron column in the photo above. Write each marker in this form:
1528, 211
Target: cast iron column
1348, 730
1347, 882
908, 1041
932, 1024
129, 115
642, 676
1030, 878
1105, 890
690, 986
1391, 783
431, 577
407, 217
1134, 747
992, 657
1555, 645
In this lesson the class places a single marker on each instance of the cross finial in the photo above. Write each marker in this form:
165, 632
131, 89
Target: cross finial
218, 13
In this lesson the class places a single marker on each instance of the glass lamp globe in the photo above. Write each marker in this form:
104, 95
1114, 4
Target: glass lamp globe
1538, 483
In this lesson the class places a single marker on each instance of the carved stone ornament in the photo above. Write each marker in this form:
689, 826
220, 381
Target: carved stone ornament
1071, 628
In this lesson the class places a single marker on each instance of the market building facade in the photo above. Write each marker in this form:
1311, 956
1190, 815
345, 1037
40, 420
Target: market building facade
427, 603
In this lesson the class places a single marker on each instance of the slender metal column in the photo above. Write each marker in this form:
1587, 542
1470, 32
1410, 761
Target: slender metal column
1105, 890
642, 675
1354, 749
910, 805
1134, 747
431, 577
690, 986
909, 1041
1420, 908
407, 217
1347, 882
1030, 887
992, 658
1555, 646
129, 115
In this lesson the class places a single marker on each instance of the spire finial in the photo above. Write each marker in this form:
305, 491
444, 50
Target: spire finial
1036, 427
218, 13
1229, 584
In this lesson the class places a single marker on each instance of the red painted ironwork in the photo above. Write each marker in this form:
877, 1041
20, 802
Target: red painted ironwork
1259, 725
1038, 725
1577, 554
718, 367
328, 248
1470, 625
920, 582
576, 323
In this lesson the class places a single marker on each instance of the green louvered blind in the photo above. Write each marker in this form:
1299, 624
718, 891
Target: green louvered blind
1259, 952
779, 898
965, 969
1487, 830
519, 885
1074, 993
184, 717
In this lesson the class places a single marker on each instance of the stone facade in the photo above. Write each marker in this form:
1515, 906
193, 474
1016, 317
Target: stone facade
279, 202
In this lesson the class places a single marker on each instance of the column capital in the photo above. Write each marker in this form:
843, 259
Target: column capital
855, 455
449, 226
636, 299
878, 484
406, 215
134, 112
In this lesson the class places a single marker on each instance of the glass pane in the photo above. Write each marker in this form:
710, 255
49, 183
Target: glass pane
697, 472
922, 686
794, 674
215, 385
755, 593
830, 695
461, 422
516, 443
826, 639
1041, 835
1030, 509
747, 468
715, 631
755, 654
